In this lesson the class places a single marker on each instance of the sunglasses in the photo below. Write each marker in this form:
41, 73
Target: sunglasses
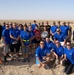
57, 43
58, 31
42, 43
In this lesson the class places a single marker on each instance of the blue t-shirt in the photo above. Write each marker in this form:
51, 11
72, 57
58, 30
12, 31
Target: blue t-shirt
69, 54
41, 52
25, 37
3, 27
15, 33
64, 29
6, 35
53, 29
60, 37
59, 50
32, 33
49, 45
21, 30
33, 26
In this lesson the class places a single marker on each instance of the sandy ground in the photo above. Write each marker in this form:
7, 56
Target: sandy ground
20, 68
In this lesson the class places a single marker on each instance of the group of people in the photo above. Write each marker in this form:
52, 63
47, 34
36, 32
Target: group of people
50, 42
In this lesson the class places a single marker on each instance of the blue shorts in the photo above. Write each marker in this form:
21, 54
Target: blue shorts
37, 61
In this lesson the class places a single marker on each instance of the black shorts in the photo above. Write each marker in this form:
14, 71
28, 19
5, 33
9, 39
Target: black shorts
36, 41
15, 46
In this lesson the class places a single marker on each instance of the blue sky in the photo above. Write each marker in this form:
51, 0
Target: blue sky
37, 9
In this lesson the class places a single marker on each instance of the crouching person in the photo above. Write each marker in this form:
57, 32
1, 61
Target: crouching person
58, 52
68, 60
42, 55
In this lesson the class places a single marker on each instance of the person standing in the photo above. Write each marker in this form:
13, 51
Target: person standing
14, 42
25, 41
53, 29
1, 31
34, 25
6, 41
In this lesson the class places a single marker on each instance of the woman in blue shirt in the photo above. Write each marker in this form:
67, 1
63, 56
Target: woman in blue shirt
68, 59
25, 41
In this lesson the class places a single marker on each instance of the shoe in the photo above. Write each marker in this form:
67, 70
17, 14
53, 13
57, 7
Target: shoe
17, 58
46, 67
64, 70
24, 60
5, 61
12, 59
28, 59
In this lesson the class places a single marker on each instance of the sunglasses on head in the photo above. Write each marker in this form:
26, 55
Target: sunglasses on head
68, 44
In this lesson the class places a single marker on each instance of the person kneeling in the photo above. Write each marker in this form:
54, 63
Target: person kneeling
42, 55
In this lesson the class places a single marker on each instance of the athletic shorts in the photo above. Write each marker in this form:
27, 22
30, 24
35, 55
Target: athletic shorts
36, 41
6, 48
14, 47
37, 61
25, 49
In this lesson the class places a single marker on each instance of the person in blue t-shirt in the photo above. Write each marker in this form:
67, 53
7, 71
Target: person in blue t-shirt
65, 29
34, 25
6, 41
14, 42
58, 51
31, 32
32, 50
60, 36
20, 27
0, 31
68, 59
53, 29
42, 54
3, 26
48, 43
69, 31
25, 41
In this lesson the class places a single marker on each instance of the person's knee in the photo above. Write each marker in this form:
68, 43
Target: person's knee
39, 65
69, 69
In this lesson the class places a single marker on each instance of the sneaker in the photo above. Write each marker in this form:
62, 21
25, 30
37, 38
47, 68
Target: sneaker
28, 59
12, 58
5, 61
24, 60
17, 58
46, 67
